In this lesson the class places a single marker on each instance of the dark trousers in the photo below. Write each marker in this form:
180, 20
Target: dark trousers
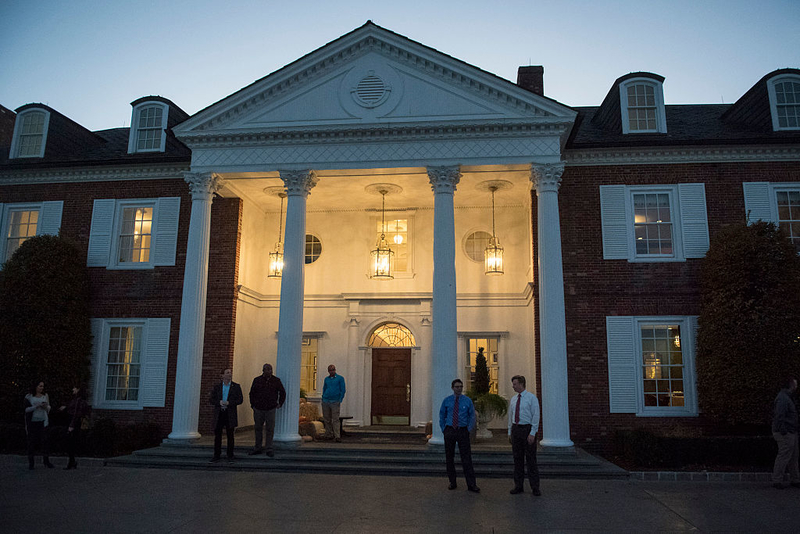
222, 421
524, 453
37, 439
460, 436
73, 438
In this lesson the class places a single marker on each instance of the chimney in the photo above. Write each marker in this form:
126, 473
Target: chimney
531, 78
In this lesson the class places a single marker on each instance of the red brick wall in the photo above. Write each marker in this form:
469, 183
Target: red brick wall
595, 288
155, 292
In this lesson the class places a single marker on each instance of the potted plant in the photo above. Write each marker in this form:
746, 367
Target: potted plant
488, 405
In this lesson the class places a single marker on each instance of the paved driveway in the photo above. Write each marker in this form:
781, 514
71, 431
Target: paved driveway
98, 499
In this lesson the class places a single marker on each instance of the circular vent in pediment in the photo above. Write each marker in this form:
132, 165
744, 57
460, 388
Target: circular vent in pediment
371, 91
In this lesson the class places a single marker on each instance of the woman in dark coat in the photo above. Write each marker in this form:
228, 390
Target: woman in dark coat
37, 408
77, 409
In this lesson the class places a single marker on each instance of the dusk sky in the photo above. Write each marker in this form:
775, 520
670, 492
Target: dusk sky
90, 59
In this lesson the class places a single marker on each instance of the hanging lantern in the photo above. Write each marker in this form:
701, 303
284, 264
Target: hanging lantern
276, 257
493, 254
382, 256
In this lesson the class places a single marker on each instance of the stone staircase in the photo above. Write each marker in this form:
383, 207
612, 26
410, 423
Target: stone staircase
398, 452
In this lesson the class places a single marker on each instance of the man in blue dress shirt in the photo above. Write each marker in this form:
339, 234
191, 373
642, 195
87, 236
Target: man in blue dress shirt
333, 391
457, 419
523, 423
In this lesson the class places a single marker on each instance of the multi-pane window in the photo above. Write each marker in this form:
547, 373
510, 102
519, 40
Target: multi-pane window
397, 236
475, 244
22, 225
652, 224
488, 346
313, 248
641, 108
308, 364
391, 335
787, 104
662, 365
789, 214
135, 234
123, 363
149, 128
31, 134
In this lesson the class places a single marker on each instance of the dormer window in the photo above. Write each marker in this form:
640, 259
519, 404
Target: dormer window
148, 127
642, 105
30, 134
784, 101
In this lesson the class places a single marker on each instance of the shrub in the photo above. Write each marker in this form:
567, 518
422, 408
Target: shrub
45, 332
749, 323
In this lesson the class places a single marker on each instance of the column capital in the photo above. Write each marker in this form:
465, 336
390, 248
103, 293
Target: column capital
203, 183
444, 179
546, 176
299, 182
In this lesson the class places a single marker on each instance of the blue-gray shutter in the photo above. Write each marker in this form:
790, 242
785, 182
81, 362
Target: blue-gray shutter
694, 221
622, 372
757, 205
100, 234
693, 329
50, 217
614, 221
97, 389
153, 385
166, 231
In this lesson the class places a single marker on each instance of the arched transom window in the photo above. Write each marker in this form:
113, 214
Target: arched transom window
391, 335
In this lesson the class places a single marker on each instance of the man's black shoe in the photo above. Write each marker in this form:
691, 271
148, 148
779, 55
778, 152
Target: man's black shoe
452, 486
270, 454
516, 491
254, 452
214, 460
537, 492
231, 459
474, 489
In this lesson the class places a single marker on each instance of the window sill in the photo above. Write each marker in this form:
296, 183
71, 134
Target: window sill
131, 267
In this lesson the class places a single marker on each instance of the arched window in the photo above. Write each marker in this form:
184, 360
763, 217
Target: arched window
30, 134
391, 335
784, 97
642, 106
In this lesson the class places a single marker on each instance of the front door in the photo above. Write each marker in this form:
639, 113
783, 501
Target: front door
391, 386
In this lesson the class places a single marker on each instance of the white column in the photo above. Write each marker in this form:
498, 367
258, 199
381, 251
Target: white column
546, 180
290, 323
354, 364
443, 329
185, 411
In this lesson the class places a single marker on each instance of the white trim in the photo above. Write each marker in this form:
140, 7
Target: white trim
680, 155
773, 101
98, 174
133, 137
14, 151
658, 94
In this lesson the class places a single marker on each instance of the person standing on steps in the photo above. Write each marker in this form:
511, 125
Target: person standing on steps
226, 396
457, 419
333, 391
266, 396
523, 423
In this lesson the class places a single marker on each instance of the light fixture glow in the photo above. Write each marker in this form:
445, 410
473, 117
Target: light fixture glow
276, 257
493, 254
382, 256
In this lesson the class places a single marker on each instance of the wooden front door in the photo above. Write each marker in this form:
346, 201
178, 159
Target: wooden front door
391, 387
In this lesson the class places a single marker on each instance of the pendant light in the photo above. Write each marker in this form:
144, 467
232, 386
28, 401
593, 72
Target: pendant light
276, 257
493, 254
382, 256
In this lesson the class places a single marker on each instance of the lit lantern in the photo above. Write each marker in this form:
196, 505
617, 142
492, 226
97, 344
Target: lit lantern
382, 256
493, 254
276, 257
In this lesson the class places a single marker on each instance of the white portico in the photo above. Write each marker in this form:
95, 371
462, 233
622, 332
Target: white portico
373, 108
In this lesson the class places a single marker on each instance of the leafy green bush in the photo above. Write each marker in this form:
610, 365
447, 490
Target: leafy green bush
45, 332
749, 323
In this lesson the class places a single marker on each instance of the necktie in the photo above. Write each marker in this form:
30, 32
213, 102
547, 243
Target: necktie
516, 410
455, 413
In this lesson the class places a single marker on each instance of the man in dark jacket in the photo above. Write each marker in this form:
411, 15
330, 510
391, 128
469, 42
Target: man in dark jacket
266, 396
225, 397
784, 430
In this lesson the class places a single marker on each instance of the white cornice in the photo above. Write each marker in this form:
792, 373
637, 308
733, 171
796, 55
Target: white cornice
676, 155
91, 174
395, 133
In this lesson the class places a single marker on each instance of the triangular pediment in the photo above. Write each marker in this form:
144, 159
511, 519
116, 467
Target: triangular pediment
371, 78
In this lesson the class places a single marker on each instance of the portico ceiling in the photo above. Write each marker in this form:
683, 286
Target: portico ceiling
339, 190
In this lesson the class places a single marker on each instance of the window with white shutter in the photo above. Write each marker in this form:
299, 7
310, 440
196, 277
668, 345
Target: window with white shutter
20, 222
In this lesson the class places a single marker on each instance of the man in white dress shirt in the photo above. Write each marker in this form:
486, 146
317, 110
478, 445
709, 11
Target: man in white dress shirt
523, 423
